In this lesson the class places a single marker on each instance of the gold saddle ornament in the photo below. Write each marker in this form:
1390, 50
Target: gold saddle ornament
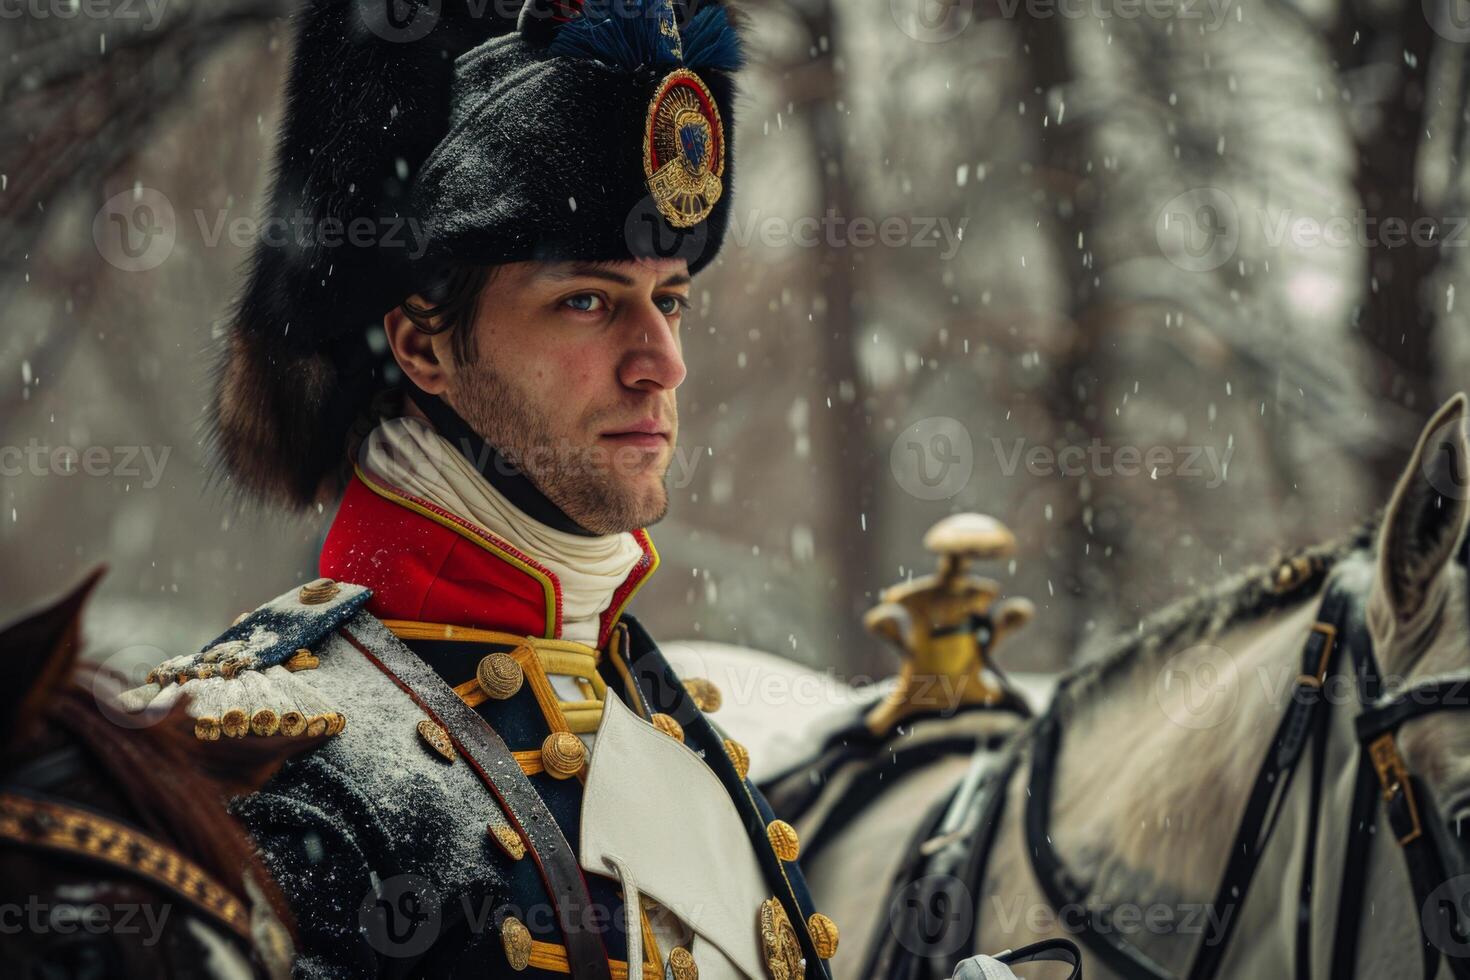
946, 625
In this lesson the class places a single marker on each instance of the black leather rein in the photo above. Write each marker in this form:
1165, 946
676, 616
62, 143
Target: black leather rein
1382, 777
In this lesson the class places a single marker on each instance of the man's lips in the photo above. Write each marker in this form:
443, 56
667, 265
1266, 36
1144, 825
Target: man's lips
643, 434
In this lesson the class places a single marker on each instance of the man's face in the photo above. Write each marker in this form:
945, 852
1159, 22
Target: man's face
572, 378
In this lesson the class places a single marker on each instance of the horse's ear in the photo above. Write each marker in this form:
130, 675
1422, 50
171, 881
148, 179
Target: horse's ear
1426, 517
37, 655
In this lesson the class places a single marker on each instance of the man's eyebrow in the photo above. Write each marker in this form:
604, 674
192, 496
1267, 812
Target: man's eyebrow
597, 271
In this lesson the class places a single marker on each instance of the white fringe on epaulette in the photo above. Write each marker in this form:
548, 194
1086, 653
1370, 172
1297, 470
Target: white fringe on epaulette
252, 702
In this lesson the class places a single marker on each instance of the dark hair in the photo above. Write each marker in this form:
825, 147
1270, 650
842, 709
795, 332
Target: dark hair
453, 297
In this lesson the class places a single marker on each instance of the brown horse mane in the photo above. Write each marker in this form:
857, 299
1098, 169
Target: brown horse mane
1238, 599
157, 776
173, 796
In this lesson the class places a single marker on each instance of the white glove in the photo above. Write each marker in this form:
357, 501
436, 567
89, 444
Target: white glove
983, 968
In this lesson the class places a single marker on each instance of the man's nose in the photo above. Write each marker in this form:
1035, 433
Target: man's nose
653, 360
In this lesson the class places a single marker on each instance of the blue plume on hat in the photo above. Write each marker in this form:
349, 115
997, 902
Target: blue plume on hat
632, 34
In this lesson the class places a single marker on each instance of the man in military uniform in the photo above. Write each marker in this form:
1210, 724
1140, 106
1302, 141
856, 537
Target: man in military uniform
511, 778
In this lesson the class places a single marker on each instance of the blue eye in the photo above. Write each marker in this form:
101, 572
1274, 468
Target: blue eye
575, 302
676, 304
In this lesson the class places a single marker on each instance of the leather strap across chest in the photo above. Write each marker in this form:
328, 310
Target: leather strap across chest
497, 767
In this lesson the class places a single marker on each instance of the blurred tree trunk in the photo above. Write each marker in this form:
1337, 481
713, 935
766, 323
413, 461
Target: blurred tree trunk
842, 441
1079, 549
78, 97
1394, 46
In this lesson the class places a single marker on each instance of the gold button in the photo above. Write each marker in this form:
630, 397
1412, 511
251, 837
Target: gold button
783, 840
436, 738
234, 723
682, 965
206, 728
824, 934
319, 591
516, 939
265, 722
510, 842
739, 755
499, 676
563, 754
707, 697
302, 659
670, 727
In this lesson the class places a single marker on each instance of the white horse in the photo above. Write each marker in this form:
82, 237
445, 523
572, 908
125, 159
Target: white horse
1158, 749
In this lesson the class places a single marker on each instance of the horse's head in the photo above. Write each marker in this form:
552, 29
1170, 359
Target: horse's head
37, 655
1419, 607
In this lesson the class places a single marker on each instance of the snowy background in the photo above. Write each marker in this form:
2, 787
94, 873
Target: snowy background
1127, 275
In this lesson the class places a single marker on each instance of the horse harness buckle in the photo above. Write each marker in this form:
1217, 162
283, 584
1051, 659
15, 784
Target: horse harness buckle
1393, 776
1328, 634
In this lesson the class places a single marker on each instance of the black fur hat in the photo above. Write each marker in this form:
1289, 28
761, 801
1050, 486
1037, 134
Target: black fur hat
578, 129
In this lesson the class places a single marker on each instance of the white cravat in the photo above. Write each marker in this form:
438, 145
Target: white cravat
408, 453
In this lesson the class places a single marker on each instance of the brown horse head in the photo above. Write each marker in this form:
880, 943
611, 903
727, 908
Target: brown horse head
157, 779
37, 658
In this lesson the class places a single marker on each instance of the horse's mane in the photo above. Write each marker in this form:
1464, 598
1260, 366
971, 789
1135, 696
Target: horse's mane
157, 771
1241, 598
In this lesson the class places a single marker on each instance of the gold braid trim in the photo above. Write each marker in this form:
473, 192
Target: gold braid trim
54, 826
553, 959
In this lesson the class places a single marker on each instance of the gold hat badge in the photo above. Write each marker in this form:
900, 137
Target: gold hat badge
684, 149
946, 625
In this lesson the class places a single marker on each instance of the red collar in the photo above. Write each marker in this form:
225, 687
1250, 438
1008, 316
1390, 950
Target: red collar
425, 564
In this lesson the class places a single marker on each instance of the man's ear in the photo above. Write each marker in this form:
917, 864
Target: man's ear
421, 355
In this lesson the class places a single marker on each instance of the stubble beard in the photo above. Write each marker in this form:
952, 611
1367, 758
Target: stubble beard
585, 482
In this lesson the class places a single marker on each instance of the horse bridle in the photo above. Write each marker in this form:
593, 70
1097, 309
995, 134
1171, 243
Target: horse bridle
1382, 777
